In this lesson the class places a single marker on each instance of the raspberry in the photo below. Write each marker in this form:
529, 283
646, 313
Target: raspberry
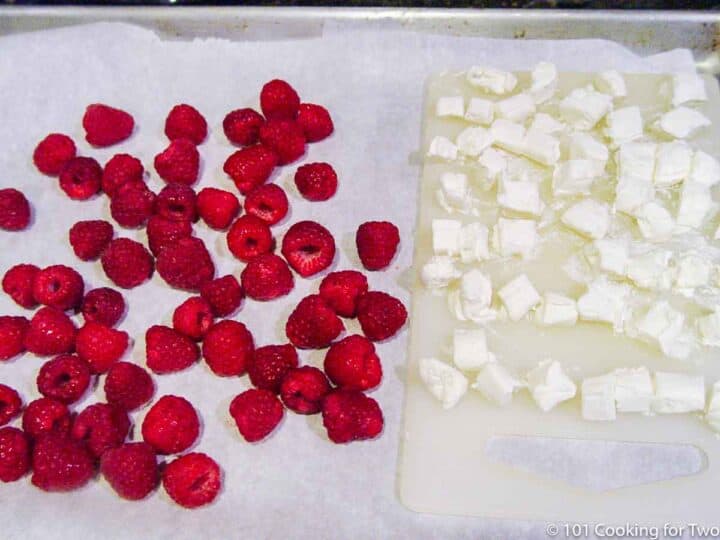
128, 386
349, 415
186, 264
10, 404
58, 286
100, 346
89, 238
101, 427
341, 291
224, 295
179, 162
250, 167
242, 126
352, 363
185, 122
267, 202
313, 325
168, 351
131, 469
380, 315
121, 169
249, 237
315, 122
132, 204
269, 365
377, 243
171, 425
227, 348
285, 138
18, 284
217, 207
279, 100
60, 463
103, 306
316, 181
53, 152
308, 247
50, 332
14, 454
266, 277
14, 210
127, 263
81, 177
193, 317
64, 378
302, 389
46, 415
105, 126
13, 332
176, 202
163, 232
192, 480
256, 413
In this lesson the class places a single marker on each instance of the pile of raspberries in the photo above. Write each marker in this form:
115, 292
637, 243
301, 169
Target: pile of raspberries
64, 448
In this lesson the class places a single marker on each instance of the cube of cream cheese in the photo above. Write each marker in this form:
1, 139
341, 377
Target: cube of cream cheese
712, 414
547, 124
439, 272
654, 221
520, 196
454, 193
588, 218
682, 122
605, 301
480, 111
541, 147
556, 310
473, 242
519, 296
450, 106
491, 80
598, 398
704, 169
493, 163
665, 325
678, 393
574, 177
544, 81
515, 237
443, 148
624, 125
508, 135
473, 140
692, 271
672, 163
631, 193
636, 160
611, 82
613, 254
585, 107
687, 87
651, 270
473, 298
549, 385
516, 108
695, 204
470, 351
584, 146
446, 236
633, 390
709, 329
444, 382
496, 383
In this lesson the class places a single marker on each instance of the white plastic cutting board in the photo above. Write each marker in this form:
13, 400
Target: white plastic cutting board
444, 467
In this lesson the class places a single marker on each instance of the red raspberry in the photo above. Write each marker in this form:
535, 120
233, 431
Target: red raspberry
266, 277
377, 243
128, 386
285, 138
176, 202
313, 325
256, 413
249, 237
100, 346
168, 351
121, 169
132, 204
53, 152
350, 415
179, 162
242, 126
89, 238
308, 247
163, 232
127, 263
50, 332
105, 126
267, 202
250, 167
316, 181
303, 389
14, 454
315, 122
192, 480
227, 348
171, 425
58, 286
380, 315
64, 378
341, 291
10, 404
269, 365
352, 363
185, 122
13, 332
131, 469
101, 427
193, 317
279, 100
217, 207
104, 306
224, 295
14, 210
60, 463
81, 177
18, 284
46, 415
186, 264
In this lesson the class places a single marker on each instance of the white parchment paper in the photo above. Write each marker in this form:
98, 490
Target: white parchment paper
296, 484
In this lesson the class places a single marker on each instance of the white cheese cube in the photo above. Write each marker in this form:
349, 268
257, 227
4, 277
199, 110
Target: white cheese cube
624, 125
704, 169
687, 87
516, 108
672, 163
692, 271
678, 393
588, 218
598, 398
519, 296
450, 106
611, 82
496, 383
654, 221
544, 81
541, 147
547, 124
443, 381
631, 193
515, 237
585, 107
439, 272
651, 270
474, 243
473, 140
712, 415
473, 298
695, 204
556, 309
549, 385
443, 148
633, 390
709, 329
446, 236
636, 160
508, 135
665, 325
491, 80
613, 254
605, 301
470, 351
454, 193
682, 122
480, 111
574, 177
493, 163
585, 146
523, 197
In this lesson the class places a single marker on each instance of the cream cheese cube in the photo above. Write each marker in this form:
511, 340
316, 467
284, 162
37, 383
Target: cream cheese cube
624, 125
519, 196
443, 148
651, 270
454, 193
665, 325
444, 382
655, 222
546, 124
480, 111
613, 254
473, 298
439, 272
574, 177
605, 301
598, 398
508, 135
672, 163
515, 237
446, 236
636, 160
682, 122
470, 351
450, 106
549, 385
491, 80
556, 310
516, 108
687, 87
474, 243
585, 107
588, 218
704, 169
544, 81
493, 163
712, 414
541, 147
631, 193
584, 146
473, 140
709, 329
678, 393
519, 296
633, 390
611, 82
695, 204
692, 271
496, 383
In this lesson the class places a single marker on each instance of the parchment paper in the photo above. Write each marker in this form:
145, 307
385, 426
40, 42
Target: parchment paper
296, 484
